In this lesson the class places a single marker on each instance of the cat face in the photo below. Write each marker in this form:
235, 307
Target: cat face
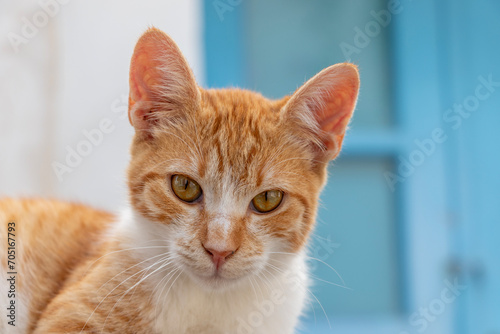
230, 178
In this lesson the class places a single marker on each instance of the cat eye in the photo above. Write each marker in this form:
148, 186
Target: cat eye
267, 201
185, 188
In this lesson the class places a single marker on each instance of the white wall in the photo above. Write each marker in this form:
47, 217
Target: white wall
69, 77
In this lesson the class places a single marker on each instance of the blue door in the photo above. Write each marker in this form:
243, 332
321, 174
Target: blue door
395, 248
470, 82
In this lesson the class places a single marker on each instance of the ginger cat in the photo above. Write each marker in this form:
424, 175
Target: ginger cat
224, 188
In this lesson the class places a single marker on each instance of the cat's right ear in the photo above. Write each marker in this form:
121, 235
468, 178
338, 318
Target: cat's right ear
162, 86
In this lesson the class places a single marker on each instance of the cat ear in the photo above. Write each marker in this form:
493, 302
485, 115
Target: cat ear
323, 106
162, 85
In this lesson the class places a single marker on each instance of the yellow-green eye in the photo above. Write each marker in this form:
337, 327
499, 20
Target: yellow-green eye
186, 189
267, 200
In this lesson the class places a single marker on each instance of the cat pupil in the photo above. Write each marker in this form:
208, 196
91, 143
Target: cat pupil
265, 196
186, 185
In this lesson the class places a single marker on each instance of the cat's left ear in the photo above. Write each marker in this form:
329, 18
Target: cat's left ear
322, 107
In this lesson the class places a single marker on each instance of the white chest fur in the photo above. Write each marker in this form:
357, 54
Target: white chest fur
265, 305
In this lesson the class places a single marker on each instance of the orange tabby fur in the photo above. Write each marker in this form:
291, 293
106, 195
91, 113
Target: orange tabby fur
53, 239
232, 142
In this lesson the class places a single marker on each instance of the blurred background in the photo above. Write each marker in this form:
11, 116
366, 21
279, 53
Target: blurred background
410, 218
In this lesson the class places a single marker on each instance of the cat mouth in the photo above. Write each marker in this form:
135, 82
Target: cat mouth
218, 276
218, 282
213, 276
217, 279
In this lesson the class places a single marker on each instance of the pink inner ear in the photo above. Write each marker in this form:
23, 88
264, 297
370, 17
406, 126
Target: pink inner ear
145, 73
337, 110
330, 98
142, 79
159, 76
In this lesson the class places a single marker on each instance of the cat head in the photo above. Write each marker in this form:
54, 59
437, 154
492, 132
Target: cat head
230, 179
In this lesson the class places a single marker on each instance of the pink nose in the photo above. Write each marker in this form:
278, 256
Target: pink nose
219, 257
